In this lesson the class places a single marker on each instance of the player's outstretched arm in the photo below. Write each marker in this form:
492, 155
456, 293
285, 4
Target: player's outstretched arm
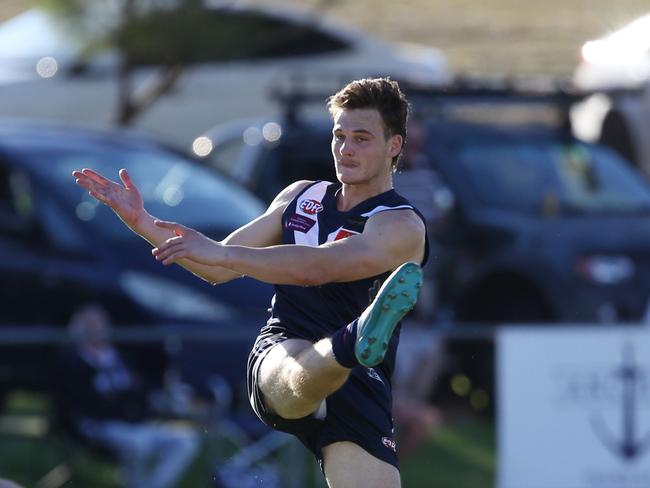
126, 201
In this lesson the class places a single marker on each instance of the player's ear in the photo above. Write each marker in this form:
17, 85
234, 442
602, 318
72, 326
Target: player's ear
395, 144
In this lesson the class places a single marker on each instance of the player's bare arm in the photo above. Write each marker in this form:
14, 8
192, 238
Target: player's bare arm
126, 201
388, 240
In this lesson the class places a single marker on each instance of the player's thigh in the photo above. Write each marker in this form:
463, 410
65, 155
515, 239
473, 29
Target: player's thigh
271, 370
347, 465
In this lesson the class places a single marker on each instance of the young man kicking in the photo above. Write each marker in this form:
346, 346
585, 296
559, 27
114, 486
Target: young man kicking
321, 366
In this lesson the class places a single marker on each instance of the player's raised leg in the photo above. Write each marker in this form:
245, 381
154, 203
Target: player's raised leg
296, 376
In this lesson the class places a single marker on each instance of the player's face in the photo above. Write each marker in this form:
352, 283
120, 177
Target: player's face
361, 151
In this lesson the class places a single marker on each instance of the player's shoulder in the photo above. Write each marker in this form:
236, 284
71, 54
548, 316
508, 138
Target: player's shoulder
402, 217
286, 196
296, 187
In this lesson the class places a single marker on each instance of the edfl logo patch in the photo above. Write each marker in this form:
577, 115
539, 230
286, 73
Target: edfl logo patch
311, 207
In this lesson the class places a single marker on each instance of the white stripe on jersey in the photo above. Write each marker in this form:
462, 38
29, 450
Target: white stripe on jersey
316, 193
382, 208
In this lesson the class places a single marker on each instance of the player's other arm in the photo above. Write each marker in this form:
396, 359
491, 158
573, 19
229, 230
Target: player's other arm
264, 231
389, 239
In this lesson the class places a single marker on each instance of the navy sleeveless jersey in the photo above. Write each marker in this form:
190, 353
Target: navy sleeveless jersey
312, 219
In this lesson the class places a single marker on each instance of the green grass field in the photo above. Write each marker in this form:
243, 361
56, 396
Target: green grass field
460, 455
457, 456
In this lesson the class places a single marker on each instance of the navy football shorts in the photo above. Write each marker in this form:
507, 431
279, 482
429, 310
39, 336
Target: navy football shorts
359, 412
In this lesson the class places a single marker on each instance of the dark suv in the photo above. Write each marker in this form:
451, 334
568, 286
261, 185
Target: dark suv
59, 248
536, 225
526, 223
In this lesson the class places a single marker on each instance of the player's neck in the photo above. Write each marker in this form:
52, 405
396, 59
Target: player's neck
353, 194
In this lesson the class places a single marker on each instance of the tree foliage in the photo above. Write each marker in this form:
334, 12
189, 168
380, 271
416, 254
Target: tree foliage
166, 34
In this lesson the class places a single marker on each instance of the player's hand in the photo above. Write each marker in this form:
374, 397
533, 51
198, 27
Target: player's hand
124, 199
187, 244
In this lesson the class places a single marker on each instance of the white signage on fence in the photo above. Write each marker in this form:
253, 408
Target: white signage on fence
573, 407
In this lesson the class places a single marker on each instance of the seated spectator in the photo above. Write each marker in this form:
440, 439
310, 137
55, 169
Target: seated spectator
105, 402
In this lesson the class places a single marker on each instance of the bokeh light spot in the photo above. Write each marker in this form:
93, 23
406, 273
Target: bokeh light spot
272, 131
173, 195
86, 211
202, 146
252, 136
47, 67
479, 399
461, 385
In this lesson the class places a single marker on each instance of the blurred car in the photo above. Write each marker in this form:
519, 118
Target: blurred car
542, 227
615, 117
60, 248
46, 71
266, 154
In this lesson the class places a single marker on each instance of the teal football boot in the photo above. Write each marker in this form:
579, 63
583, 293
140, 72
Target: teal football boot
396, 297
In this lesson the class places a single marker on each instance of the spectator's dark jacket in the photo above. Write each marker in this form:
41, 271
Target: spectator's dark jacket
93, 391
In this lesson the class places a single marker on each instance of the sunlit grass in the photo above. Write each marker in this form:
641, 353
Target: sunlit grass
459, 455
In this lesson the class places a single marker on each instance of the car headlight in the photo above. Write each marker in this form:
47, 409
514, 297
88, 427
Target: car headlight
604, 270
169, 298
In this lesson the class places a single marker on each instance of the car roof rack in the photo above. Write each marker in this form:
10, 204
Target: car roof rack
553, 96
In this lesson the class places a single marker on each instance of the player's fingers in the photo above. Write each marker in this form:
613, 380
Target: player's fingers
164, 246
99, 196
85, 183
173, 257
160, 253
126, 179
96, 177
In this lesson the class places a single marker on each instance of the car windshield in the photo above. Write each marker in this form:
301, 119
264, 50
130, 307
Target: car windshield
173, 188
574, 177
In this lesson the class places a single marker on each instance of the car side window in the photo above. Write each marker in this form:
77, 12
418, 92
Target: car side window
274, 36
218, 38
17, 205
227, 154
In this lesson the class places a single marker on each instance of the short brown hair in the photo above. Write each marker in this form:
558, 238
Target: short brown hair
382, 94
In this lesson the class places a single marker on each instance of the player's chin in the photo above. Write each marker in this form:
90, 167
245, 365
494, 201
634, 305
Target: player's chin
349, 176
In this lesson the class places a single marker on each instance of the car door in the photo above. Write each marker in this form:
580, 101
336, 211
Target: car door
41, 278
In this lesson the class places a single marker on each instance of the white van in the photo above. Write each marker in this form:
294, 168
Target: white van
45, 73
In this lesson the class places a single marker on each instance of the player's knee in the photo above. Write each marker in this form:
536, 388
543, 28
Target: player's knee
295, 408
